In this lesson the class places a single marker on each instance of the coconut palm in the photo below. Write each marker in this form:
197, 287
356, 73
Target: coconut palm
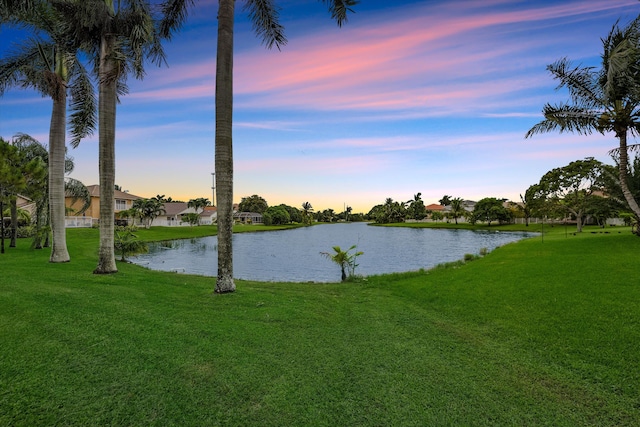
264, 15
604, 100
53, 69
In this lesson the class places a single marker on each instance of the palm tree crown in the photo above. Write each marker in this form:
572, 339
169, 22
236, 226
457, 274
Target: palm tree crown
602, 100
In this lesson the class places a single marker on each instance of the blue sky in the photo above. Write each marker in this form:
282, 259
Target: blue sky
409, 96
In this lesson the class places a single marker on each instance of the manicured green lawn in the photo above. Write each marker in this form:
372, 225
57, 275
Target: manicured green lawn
541, 332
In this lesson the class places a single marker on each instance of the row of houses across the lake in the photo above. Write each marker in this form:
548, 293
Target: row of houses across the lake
123, 200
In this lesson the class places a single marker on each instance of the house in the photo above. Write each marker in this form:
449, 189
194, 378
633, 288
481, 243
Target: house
123, 201
175, 210
247, 217
172, 216
209, 215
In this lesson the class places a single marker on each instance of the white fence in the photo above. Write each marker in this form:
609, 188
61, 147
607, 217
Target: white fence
78, 222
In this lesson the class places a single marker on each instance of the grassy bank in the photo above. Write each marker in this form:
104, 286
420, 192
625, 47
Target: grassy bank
542, 332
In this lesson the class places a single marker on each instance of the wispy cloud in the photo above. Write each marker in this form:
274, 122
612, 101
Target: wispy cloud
440, 59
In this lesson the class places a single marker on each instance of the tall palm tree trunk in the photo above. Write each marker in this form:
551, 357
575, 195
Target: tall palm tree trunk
59, 252
624, 172
107, 164
224, 149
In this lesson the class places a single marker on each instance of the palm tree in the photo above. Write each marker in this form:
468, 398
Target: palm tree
457, 208
264, 15
605, 100
198, 203
148, 210
306, 213
345, 259
445, 201
347, 212
38, 190
416, 206
53, 69
76, 190
118, 41
127, 243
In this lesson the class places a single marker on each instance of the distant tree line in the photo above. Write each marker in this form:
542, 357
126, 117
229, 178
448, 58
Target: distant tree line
285, 214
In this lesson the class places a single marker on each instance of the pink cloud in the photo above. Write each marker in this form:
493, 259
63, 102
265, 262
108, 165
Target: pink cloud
413, 59
369, 67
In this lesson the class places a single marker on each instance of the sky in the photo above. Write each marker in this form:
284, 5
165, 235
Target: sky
432, 97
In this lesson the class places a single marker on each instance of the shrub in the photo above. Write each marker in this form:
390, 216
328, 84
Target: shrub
26, 231
346, 260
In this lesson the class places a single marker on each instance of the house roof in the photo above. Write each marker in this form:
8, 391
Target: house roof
22, 201
434, 207
209, 211
94, 191
175, 208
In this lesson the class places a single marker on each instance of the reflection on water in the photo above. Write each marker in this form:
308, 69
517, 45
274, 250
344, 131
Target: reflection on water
294, 255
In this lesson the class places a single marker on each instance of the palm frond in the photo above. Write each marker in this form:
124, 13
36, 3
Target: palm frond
567, 118
264, 16
83, 105
77, 191
174, 14
615, 152
582, 82
340, 8
29, 67
620, 62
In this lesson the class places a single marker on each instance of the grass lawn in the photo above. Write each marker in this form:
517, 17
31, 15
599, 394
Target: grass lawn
540, 332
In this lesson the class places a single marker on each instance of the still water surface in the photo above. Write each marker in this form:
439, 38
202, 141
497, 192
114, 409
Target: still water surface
294, 255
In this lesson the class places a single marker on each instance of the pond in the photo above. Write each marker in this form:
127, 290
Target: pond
294, 255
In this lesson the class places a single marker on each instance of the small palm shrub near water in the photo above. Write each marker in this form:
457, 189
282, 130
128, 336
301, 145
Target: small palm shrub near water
345, 259
127, 243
